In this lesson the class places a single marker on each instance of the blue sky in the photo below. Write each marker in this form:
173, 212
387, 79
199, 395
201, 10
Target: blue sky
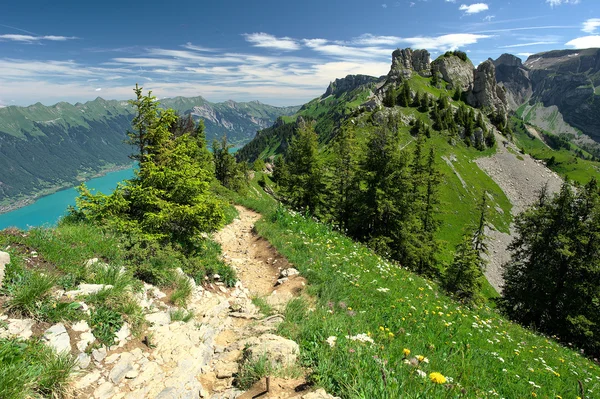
278, 52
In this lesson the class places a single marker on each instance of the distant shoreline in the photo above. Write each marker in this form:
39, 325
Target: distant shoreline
23, 202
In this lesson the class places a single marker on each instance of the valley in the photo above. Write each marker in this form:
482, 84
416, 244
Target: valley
420, 226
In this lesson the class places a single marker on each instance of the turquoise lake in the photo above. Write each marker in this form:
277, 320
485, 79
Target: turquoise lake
47, 210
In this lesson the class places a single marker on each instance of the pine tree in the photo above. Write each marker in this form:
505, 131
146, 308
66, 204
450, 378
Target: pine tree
168, 201
552, 279
305, 184
344, 186
463, 278
227, 170
405, 95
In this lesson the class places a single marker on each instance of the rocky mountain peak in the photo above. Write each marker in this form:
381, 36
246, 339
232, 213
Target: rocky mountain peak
455, 71
508, 60
486, 93
514, 77
406, 61
348, 83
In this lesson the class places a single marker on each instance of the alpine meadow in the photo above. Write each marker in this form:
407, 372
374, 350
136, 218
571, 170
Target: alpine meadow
427, 228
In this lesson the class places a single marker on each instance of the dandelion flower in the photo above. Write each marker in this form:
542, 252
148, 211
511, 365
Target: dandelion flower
406, 352
437, 378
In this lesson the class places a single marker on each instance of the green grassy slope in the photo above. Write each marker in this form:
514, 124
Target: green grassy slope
462, 185
480, 353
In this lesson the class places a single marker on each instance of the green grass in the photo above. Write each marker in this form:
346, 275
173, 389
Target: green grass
252, 370
31, 369
358, 292
182, 292
27, 292
263, 305
181, 315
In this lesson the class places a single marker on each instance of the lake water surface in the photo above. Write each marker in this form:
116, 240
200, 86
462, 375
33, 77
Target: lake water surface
47, 210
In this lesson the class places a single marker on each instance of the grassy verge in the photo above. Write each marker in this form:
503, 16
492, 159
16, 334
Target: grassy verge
29, 369
394, 329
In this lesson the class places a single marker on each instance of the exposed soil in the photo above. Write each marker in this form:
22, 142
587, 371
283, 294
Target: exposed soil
521, 181
256, 262
279, 388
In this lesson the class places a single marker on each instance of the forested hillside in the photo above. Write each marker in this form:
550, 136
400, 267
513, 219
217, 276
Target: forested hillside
43, 148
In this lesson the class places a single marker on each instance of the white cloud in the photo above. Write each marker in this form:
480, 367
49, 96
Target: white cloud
262, 39
368, 39
488, 18
445, 42
527, 44
474, 8
98, 89
585, 42
30, 38
346, 52
591, 25
554, 3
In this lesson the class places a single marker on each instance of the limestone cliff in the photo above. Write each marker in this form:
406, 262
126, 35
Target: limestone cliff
566, 79
348, 83
514, 77
454, 71
486, 93
405, 62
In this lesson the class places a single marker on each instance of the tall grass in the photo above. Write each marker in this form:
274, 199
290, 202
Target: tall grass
394, 329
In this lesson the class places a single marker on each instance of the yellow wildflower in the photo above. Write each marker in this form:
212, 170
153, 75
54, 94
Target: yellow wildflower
391, 334
437, 378
406, 352
381, 328
420, 357
534, 394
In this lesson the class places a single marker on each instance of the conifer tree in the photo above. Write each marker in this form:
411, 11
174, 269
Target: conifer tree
344, 169
168, 201
305, 185
552, 279
463, 278
227, 171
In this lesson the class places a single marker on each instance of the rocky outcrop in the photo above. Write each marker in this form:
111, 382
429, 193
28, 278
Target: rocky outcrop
513, 76
454, 71
486, 94
348, 83
407, 61
567, 79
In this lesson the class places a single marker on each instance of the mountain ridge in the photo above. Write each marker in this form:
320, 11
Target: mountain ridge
44, 148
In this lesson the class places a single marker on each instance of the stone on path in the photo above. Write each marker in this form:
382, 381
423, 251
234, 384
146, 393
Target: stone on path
19, 327
277, 350
319, 394
57, 337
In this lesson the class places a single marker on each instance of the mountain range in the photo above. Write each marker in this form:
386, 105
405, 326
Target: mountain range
43, 148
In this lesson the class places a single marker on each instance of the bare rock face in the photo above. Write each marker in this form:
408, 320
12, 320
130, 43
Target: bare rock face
348, 83
514, 77
455, 72
486, 93
407, 61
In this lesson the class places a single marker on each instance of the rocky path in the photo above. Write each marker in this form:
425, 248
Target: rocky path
200, 358
521, 181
